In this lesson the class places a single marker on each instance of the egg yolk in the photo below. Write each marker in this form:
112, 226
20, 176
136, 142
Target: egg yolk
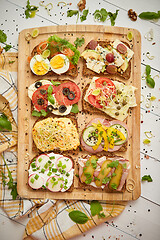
57, 62
40, 68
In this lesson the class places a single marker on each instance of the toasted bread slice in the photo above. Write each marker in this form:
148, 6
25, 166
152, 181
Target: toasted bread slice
99, 189
71, 72
87, 72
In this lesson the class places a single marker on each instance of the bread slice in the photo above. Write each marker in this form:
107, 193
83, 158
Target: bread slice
71, 72
52, 114
86, 187
45, 189
69, 150
87, 72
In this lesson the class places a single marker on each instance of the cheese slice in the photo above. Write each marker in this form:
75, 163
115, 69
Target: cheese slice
129, 54
127, 96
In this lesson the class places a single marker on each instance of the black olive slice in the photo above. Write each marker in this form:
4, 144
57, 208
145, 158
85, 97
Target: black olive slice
62, 109
66, 91
43, 91
71, 95
40, 101
50, 108
38, 84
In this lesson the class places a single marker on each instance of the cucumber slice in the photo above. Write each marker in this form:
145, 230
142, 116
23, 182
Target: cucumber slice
122, 130
88, 136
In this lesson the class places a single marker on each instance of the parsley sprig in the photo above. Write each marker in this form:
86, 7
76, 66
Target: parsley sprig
11, 185
31, 10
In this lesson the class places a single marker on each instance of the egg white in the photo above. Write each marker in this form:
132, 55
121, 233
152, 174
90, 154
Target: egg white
64, 68
39, 58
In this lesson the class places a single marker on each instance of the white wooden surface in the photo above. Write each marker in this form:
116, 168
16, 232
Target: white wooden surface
141, 218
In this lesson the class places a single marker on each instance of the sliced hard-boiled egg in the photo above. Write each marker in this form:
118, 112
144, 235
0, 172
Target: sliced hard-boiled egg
59, 64
39, 65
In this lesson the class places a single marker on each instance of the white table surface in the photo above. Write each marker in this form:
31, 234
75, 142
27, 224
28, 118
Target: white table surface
141, 218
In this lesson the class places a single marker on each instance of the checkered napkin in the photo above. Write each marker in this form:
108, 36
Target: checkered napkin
48, 219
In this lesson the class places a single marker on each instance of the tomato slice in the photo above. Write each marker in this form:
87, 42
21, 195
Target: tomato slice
64, 100
107, 86
94, 101
39, 98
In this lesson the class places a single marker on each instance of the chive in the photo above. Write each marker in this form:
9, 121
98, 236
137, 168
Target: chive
42, 170
32, 180
53, 178
33, 165
36, 176
49, 162
59, 164
53, 157
46, 166
47, 183
64, 166
54, 169
49, 174
61, 186
40, 160
67, 174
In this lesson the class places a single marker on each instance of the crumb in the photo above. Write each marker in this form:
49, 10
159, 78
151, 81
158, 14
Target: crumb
81, 4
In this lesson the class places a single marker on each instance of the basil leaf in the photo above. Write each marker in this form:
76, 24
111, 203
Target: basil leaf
95, 207
51, 99
70, 13
75, 108
147, 178
43, 113
148, 70
50, 90
3, 37
7, 47
36, 113
5, 124
55, 83
149, 15
150, 82
78, 217
84, 16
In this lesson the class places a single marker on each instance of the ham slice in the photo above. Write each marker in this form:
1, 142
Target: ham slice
107, 124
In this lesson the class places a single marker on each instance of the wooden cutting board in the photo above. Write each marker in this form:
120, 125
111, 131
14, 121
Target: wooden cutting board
26, 121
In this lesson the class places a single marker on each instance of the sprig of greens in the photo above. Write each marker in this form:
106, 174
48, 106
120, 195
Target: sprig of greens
96, 208
31, 10
84, 15
3, 39
101, 15
11, 185
79, 42
71, 13
42, 113
147, 178
5, 124
150, 81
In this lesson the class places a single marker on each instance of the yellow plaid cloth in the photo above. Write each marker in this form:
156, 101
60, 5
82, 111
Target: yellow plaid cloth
48, 218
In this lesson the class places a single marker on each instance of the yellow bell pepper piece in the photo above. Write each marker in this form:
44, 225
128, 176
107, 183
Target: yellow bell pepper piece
110, 130
98, 142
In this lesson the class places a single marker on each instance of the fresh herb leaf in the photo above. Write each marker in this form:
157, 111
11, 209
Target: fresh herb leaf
114, 186
148, 70
74, 108
87, 163
78, 217
149, 15
84, 15
150, 82
7, 47
113, 17
70, 13
11, 185
88, 180
36, 113
147, 178
5, 124
124, 166
100, 15
79, 42
106, 180
30, 10
95, 207
113, 164
10, 62
51, 99
3, 37
50, 90
55, 83
87, 174
43, 113
94, 163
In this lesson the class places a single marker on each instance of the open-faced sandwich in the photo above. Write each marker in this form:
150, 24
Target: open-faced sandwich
107, 57
56, 97
55, 56
51, 171
102, 135
59, 134
111, 97
106, 172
